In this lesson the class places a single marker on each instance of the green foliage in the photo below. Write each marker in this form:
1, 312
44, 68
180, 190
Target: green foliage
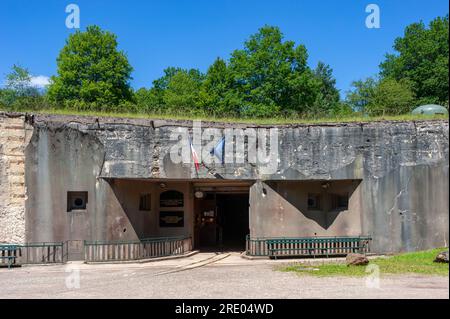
417, 75
328, 100
218, 95
19, 92
342, 110
422, 58
147, 101
182, 92
271, 75
268, 78
19, 82
391, 97
92, 73
361, 95
382, 97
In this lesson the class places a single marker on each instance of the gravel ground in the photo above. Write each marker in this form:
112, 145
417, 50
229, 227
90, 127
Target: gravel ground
231, 277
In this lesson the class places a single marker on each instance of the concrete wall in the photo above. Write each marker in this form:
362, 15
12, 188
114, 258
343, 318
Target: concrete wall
408, 208
66, 160
280, 209
402, 198
59, 161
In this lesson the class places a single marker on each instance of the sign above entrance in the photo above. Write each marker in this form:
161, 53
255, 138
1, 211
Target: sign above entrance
171, 199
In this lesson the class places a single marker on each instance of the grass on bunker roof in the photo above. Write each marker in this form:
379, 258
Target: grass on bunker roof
420, 262
279, 120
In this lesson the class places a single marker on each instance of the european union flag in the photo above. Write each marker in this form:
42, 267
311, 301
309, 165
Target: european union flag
219, 150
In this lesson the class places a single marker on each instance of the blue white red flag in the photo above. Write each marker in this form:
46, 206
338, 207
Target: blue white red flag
219, 150
194, 157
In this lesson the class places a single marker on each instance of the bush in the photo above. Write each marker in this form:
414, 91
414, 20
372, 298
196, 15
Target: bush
391, 97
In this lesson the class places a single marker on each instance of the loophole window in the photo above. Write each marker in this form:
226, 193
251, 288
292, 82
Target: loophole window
77, 201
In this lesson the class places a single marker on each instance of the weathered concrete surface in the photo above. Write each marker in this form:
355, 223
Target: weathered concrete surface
139, 148
14, 136
402, 168
68, 159
59, 161
280, 209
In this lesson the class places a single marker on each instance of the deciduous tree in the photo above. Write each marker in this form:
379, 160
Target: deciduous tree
92, 72
271, 75
422, 58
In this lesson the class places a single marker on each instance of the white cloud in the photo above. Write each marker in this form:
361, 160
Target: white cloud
40, 81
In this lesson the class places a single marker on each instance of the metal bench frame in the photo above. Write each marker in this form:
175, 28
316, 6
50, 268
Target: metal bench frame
317, 246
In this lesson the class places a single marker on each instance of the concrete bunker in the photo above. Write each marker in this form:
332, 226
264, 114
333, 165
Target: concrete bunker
69, 178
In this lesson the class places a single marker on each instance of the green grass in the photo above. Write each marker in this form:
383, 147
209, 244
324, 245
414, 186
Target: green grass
275, 120
408, 263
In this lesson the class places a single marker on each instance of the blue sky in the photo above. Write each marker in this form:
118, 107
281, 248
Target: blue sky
191, 34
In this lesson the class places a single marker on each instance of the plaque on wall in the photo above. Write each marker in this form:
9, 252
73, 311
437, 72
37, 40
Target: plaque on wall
171, 199
171, 219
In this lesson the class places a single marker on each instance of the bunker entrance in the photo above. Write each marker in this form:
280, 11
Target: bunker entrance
222, 219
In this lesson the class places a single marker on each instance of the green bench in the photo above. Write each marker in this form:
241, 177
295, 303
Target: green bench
316, 246
8, 253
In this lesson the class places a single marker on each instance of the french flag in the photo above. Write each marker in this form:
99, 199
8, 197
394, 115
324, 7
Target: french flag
195, 157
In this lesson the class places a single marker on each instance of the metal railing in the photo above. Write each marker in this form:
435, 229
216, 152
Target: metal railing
8, 254
102, 251
95, 251
307, 246
42, 253
256, 246
36, 253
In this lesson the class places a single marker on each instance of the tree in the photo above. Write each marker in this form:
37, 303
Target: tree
268, 77
92, 73
381, 97
328, 99
361, 95
162, 83
148, 101
182, 91
19, 81
422, 58
218, 95
271, 75
19, 92
391, 97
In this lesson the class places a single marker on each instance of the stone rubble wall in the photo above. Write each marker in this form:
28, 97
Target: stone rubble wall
14, 137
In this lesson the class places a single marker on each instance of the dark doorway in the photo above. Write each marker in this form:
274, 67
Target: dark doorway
232, 216
222, 221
